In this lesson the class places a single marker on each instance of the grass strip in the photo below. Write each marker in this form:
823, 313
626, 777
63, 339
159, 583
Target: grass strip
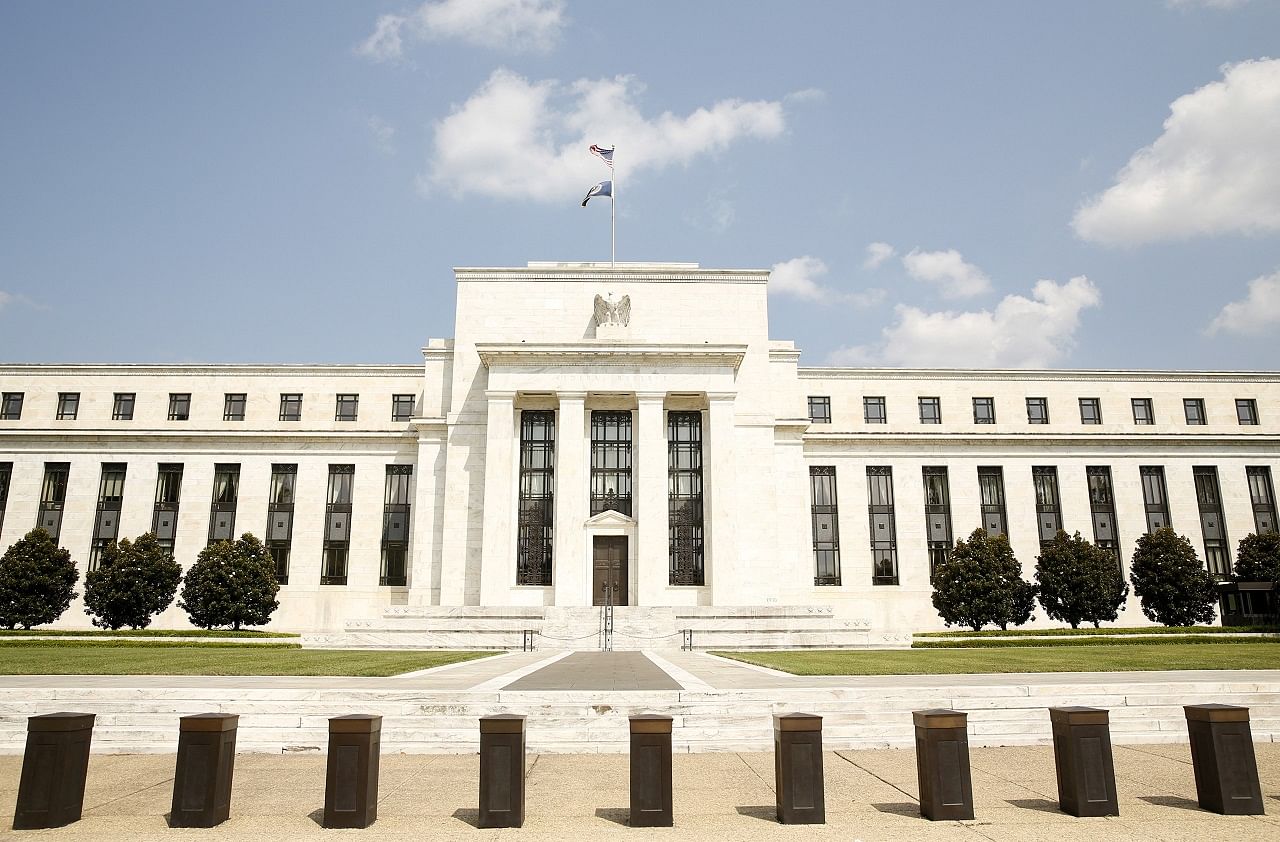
144, 633
1106, 658
187, 658
1207, 630
1052, 642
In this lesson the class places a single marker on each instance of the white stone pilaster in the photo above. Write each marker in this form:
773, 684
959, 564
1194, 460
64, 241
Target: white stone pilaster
569, 566
428, 516
720, 485
498, 554
649, 557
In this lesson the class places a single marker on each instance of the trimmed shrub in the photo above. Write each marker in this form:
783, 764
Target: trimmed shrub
37, 581
1174, 587
232, 583
1079, 582
982, 583
1258, 558
134, 581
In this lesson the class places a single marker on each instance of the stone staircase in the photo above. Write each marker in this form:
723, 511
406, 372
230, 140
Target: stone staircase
580, 628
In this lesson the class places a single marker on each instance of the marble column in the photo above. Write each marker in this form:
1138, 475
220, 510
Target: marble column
649, 559
498, 548
720, 485
428, 514
568, 555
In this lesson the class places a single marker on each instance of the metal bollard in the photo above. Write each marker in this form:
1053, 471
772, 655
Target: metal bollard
942, 764
651, 771
1222, 757
1082, 756
797, 768
206, 760
351, 778
501, 771
54, 767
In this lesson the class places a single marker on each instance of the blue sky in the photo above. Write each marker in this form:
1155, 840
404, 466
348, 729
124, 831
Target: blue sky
1074, 185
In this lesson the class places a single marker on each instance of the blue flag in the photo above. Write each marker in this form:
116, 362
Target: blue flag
604, 188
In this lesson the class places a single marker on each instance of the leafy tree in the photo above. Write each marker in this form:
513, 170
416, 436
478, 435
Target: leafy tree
1079, 582
1172, 584
37, 581
982, 583
1258, 558
232, 583
134, 581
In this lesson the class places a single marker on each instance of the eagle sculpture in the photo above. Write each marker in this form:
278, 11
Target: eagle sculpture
610, 312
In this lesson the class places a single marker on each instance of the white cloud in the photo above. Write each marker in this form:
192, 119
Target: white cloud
948, 270
384, 135
878, 253
807, 95
1019, 333
517, 139
5, 298
1258, 313
514, 25
1214, 170
1207, 4
800, 276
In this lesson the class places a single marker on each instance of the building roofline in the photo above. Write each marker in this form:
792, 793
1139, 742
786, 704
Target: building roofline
1108, 374
597, 271
242, 369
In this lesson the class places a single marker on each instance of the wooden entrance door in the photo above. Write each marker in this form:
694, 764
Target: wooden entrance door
609, 559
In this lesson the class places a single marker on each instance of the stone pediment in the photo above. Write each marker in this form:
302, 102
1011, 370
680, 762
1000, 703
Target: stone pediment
610, 518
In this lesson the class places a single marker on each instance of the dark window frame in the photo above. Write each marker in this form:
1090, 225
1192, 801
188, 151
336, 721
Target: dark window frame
1262, 498
930, 410
819, 409
53, 497
1193, 410
1213, 523
226, 497
1090, 411
335, 556
991, 499
824, 515
987, 404
179, 406
877, 402
880, 503
535, 538
611, 478
68, 406
398, 402
686, 536
6, 474
1155, 496
1144, 413
168, 500
1044, 479
1102, 508
290, 406
282, 495
397, 496
346, 407
106, 523
233, 406
11, 405
1249, 416
937, 511
1034, 405
122, 405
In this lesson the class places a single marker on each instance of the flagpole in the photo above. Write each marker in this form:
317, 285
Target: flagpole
613, 214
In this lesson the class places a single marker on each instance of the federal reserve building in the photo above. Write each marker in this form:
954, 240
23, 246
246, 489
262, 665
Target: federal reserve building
626, 436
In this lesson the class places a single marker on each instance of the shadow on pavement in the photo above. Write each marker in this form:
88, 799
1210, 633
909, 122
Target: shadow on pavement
1043, 805
768, 812
900, 808
1170, 801
617, 815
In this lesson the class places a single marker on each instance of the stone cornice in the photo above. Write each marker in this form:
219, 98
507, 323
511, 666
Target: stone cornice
663, 273
608, 354
1096, 375
51, 438
206, 369
971, 438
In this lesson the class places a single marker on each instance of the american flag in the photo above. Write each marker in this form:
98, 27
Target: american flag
603, 154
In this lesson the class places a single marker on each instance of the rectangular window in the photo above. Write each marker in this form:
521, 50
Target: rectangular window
280, 502
68, 405
826, 525
1090, 411
1194, 410
1212, 524
291, 407
222, 511
106, 525
684, 498
873, 411
122, 406
537, 497
337, 525
179, 406
984, 410
884, 532
1048, 506
611, 462
1263, 497
11, 406
53, 497
6, 472
233, 406
930, 410
1247, 411
348, 407
1154, 497
937, 516
1037, 410
395, 526
819, 410
991, 491
402, 407
1143, 414
1102, 505
164, 517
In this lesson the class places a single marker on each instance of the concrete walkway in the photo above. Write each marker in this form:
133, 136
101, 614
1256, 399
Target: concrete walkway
870, 795
598, 671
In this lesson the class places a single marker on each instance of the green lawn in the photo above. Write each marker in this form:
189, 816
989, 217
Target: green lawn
163, 658
1020, 659
140, 633
1105, 630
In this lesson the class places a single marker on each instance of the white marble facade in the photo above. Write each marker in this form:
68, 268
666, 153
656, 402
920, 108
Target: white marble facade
687, 339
